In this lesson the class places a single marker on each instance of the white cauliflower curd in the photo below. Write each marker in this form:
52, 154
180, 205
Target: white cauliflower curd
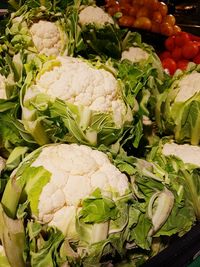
94, 15
75, 172
78, 82
134, 54
2, 87
187, 153
46, 37
189, 85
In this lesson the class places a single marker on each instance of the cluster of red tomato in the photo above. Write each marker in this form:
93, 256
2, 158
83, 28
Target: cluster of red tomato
151, 15
181, 49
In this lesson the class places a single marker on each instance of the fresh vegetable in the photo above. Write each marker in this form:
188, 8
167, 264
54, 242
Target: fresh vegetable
169, 64
182, 64
183, 159
177, 107
80, 223
88, 103
95, 117
142, 73
164, 54
42, 27
181, 39
177, 53
170, 43
94, 15
136, 51
190, 50
160, 199
101, 35
135, 54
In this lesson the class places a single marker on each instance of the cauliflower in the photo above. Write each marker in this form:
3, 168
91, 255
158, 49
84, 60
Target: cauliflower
72, 165
46, 37
189, 85
134, 54
94, 15
187, 153
99, 32
37, 35
181, 162
74, 190
78, 82
2, 87
180, 107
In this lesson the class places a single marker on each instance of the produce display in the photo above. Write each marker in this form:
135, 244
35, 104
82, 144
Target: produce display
99, 143
151, 15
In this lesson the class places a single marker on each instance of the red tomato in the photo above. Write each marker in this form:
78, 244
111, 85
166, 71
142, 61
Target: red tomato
190, 50
197, 59
169, 64
164, 54
182, 64
169, 43
181, 38
126, 21
177, 53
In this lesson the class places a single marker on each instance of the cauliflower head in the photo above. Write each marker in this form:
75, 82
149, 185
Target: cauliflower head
76, 81
94, 15
75, 196
187, 153
61, 176
180, 106
189, 85
46, 37
39, 36
134, 54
